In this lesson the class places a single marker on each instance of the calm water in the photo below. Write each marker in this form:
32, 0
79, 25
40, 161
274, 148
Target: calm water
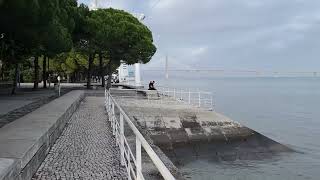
284, 109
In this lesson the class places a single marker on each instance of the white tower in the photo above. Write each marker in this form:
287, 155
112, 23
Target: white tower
95, 5
137, 75
166, 68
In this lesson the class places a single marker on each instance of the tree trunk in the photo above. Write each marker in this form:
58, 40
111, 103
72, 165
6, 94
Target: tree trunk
44, 72
89, 71
103, 83
2, 72
36, 72
48, 73
109, 75
15, 78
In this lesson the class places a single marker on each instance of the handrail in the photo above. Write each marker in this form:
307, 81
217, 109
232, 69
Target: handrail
126, 153
198, 98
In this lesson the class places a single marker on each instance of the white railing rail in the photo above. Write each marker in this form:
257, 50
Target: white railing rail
197, 98
132, 163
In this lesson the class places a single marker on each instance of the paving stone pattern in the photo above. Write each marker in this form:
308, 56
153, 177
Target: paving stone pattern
86, 149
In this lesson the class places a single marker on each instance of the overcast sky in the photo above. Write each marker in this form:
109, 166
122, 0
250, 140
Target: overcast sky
277, 35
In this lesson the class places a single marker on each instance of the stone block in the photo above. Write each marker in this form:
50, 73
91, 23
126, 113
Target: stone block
8, 169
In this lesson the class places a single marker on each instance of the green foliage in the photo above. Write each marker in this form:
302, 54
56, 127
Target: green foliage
75, 62
71, 36
18, 19
122, 35
56, 25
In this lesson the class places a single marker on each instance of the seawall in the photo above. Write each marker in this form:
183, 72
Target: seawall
186, 132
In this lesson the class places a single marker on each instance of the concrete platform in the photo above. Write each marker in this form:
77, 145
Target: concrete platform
173, 123
128, 86
26, 141
178, 127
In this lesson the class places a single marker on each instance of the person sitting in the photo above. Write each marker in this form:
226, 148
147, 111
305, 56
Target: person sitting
151, 85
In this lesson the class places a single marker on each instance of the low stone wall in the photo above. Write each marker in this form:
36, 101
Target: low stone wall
25, 142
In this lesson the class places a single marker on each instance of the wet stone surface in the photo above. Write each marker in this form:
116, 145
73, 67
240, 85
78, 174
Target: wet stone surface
86, 149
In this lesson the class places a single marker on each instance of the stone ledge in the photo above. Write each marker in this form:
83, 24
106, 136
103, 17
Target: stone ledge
26, 141
150, 94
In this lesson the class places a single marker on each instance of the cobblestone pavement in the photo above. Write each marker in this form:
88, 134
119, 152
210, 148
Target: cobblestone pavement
86, 149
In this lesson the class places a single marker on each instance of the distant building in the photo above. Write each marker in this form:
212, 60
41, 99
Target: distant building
123, 72
129, 73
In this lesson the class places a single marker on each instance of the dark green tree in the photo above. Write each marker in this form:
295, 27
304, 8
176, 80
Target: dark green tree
83, 39
57, 24
122, 36
18, 20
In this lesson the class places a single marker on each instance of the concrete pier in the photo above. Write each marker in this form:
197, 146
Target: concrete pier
183, 131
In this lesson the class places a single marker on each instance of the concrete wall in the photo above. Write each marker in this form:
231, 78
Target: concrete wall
186, 133
25, 142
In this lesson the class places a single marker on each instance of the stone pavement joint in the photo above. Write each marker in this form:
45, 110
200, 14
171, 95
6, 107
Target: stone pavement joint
86, 149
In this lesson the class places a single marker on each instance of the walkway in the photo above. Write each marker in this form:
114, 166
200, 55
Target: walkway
86, 148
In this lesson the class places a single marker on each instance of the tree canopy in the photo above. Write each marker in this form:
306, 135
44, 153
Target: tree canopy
76, 39
122, 36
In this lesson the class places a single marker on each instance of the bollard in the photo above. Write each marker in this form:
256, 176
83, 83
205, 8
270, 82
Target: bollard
59, 88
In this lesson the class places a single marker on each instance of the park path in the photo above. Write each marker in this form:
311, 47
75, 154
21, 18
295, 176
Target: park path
86, 149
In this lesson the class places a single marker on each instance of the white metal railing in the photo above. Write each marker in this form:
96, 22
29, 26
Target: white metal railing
193, 97
131, 162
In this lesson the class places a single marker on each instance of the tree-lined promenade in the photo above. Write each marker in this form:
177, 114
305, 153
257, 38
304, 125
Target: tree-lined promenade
61, 37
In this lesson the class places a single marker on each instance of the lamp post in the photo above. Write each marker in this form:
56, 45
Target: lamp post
59, 85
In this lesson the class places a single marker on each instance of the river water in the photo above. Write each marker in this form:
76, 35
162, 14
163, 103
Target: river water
285, 109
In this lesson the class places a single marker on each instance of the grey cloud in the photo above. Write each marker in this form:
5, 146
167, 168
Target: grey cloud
232, 34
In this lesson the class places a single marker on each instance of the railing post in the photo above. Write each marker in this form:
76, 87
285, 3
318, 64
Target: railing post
105, 99
211, 103
121, 139
127, 158
138, 159
189, 97
174, 93
181, 95
128, 164
113, 119
109, 104
199, 99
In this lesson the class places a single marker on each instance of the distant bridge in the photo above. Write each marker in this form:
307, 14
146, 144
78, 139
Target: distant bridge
224, 71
